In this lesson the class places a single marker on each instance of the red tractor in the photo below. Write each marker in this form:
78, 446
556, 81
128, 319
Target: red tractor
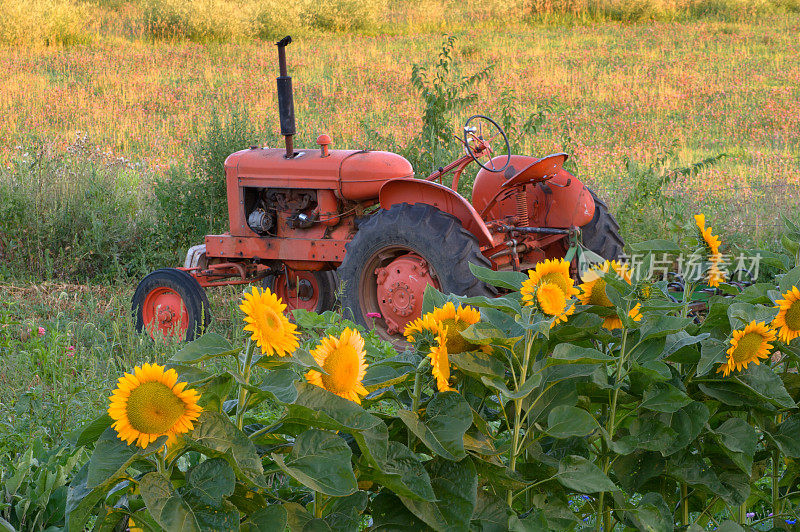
314, 223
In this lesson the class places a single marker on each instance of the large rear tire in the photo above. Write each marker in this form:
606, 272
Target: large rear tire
171, 303
601, 235
395, 254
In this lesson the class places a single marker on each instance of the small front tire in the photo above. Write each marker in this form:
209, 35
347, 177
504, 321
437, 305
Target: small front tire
170, 303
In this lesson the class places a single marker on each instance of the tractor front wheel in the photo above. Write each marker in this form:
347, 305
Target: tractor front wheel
395, 255
312, 291
170, 303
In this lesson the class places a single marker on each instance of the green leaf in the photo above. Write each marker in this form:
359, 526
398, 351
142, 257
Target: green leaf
186, 513
664, 397
660, 325
5, 526
389, 515
687, 423
740, 314
212, 480
680, 339
456, 487
320, 460
483, 333
740, 440
504, 279
402, 472
209, 345
523, 391
110, 458
447, 418
215, 435
787, 436
344, 513
651, 514
712, 351
381, 375
279, 383
89, 432
273, 518
568, 352
491, 514
566, 421
579, 474
557, 373
761, 380
81, 499
316, 407
477, 363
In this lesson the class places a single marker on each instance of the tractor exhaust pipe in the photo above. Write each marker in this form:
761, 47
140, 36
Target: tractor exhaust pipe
285, 98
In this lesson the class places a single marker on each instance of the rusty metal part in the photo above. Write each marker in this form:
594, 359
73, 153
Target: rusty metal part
400, 289
285, 98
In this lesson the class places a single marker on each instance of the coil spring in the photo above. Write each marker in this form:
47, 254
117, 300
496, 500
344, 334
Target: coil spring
522, 207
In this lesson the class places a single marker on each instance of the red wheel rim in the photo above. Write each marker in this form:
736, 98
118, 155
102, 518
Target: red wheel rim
302, 294
163, 310
394, 286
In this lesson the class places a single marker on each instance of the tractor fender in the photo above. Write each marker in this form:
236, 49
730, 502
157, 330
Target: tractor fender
564, 201
413, 191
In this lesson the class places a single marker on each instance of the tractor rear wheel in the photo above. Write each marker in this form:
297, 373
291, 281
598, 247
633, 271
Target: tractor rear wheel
395, 254
313, 291
601, 235
170, 303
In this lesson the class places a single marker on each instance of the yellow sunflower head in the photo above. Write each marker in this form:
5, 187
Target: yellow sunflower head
788, 319
551, 301
447, 317
265, 318
342, 359
593, 288
440, 361
554, 271
715, 275
748, 345
150, 403
613, 322
711, 242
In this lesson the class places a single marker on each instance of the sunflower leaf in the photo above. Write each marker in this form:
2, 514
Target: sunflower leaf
446, 420
210, 345
320, 460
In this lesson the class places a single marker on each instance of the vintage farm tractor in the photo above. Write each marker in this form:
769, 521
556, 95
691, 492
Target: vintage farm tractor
304, 221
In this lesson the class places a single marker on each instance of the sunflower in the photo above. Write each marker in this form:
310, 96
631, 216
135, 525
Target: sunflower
132, 526
715, 275
788, 319
440, 361
593, 292
342, 359
447, 317
549, 271
150, 403
551, 300
271, 329
712, 242
748, 345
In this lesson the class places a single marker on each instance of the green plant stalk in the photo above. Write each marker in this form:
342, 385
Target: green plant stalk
776, 499
514, 450
318, 504
602, 515
246, 370
416, 394
684, 504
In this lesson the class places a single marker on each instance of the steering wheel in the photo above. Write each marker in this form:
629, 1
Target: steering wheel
478, 144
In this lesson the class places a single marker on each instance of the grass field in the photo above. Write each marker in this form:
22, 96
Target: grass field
112, 115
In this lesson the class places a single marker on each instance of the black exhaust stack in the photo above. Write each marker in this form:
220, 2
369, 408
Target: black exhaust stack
285, 98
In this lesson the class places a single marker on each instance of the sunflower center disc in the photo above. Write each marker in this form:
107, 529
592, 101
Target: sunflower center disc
153, 408
342, 365
455, 342
268, 319
748, 346
558, 280
598, 296
792, 317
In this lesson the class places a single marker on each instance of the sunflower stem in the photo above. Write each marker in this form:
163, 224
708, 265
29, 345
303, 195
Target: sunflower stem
318, 504
416, 393
776, 500
241, 404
